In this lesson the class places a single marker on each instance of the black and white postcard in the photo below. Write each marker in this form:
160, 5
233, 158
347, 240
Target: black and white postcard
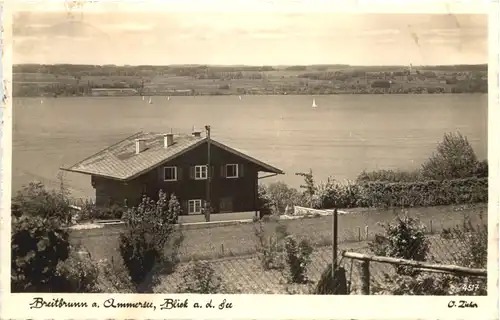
258, 159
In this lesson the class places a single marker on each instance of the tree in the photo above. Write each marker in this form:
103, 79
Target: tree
454, 159
150, 243
264, 201
281, 196
310, 187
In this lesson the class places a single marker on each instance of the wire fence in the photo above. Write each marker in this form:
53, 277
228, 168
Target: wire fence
247, 275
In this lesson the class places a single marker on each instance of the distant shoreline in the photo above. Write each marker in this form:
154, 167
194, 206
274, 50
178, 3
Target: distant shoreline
81, 80
246, 95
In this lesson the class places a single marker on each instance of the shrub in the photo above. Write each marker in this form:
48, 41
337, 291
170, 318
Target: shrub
199, 277
455, 159
151, 241
77, 274
279, 195
481, 169
473, 254
270, 248
405, 238
381, 194
474, 239
35, 200
38, 244
330, 283
417, 284
89, 211
332, 194
424, 193
390, 176
264, 201
114, 211
114, 278
297, 257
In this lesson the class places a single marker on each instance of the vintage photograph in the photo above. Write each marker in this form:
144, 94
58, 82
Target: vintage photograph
249, 153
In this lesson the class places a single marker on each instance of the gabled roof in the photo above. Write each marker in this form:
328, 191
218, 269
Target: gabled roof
120, 161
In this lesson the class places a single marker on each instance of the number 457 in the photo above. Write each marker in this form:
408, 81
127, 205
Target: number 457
470, 287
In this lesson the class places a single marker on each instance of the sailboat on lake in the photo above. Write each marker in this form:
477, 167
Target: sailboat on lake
150, 101
314, 105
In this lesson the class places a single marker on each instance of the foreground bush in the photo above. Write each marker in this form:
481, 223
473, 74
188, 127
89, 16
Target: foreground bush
38, 244
151, 241
199, 277
114, 278
473, 242
297, 257
77, 274
404, 238
474, 254
270, 248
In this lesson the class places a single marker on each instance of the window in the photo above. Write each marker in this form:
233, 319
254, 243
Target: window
231, 171
170, 173
200, 172
194, 206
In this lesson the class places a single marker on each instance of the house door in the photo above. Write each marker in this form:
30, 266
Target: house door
226, 204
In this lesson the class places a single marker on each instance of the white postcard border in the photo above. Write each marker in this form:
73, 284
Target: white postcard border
15, 306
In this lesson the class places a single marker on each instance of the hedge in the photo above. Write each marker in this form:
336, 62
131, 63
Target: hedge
402, 194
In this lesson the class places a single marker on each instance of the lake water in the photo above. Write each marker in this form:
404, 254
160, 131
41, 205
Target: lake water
343, 136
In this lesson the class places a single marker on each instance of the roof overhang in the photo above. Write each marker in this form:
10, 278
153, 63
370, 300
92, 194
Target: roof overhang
266, 167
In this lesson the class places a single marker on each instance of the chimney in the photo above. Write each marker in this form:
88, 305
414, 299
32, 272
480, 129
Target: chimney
196, 133
140, 145
168, 139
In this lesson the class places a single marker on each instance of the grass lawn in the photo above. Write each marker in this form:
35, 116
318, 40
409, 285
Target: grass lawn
240, 239
215, 242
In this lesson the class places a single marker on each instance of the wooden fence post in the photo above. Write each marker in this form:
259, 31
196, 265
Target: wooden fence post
366, 232
431, 225
334, 241
365, 277
359, 234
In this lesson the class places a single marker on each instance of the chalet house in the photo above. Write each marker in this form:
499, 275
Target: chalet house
145, 163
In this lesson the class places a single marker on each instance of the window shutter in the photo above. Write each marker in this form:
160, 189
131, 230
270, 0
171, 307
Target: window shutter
223, 171
191, 172
179, 173
241, 171
185, 206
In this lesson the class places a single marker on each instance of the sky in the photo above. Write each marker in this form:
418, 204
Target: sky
250, 38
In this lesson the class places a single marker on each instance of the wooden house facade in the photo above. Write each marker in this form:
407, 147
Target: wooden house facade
145, 163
